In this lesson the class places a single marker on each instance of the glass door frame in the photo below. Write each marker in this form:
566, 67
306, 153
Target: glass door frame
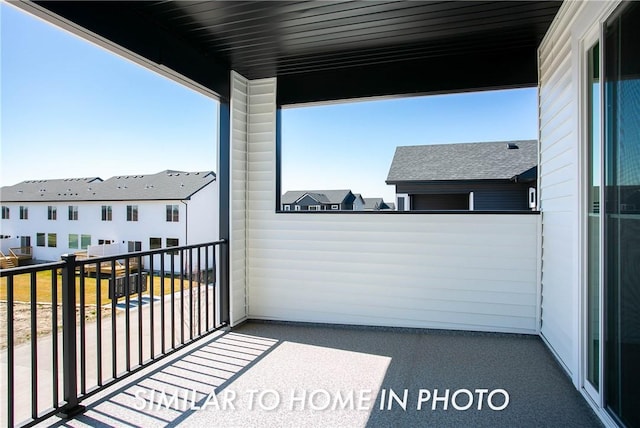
592, 37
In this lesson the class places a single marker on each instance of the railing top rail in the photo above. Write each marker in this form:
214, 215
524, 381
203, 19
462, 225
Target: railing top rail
99, 259
92, 260
29, 269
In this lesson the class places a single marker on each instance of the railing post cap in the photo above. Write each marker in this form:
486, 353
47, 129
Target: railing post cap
66, 257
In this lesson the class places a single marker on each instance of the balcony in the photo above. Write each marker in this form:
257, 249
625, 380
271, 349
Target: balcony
339, 376
160, 354
514, 279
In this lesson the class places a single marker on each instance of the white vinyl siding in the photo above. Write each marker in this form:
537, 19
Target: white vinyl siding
558, 171
238, 182
475, 272
561, 150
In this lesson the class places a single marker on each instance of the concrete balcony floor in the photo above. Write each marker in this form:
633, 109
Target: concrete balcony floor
299, 375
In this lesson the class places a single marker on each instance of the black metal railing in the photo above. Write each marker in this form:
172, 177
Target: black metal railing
82, 324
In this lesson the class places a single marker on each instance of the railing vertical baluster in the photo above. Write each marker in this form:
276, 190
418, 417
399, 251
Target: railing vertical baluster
83, 337
10, 351
173, 303
199, 278
215, 283
69, 361
162, 338
181, 296
34, 347
139, 285
68, 364
114, 302
206, 287
127, 330
54, 335
99, 328
152, 304
190, 293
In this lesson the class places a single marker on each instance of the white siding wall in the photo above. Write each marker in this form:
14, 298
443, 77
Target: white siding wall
561, 152
476, 272
558, 190
152, 222
238, 194
203, 215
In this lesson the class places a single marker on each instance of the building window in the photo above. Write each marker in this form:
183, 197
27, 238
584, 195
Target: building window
40, 239
24, 212
287, 207
155, 243
52, 212
5, 213
85, 241
173, 213
134, 246
106, 213
132, 213
73, 212
25, 241
335, 207
105, 241
52, 240
297, 207
73, 241
173, 242
314, 207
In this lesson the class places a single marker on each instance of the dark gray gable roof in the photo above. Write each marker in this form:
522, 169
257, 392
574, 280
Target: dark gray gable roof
463, 161
372, 203
161, 186
377, 204
322, 196
62, 189
165, 185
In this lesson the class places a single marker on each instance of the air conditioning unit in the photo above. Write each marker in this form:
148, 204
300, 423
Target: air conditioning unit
532, 198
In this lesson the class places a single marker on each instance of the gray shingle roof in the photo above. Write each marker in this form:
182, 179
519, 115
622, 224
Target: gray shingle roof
464, 161
323, 196
165, 185
377, 204
372, 203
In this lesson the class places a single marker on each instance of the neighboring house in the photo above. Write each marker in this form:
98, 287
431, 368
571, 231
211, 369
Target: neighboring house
139, 212
377, 204
318, 200
358, 202
498, 176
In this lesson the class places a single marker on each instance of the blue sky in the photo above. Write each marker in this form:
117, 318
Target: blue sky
71, 109
351, 145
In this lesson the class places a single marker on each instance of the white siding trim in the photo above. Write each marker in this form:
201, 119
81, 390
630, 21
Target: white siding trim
238, 193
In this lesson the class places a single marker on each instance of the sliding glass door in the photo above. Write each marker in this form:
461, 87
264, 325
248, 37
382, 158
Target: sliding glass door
621, 60
592, 198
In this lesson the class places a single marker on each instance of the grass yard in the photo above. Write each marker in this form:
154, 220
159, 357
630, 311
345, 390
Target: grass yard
46, 279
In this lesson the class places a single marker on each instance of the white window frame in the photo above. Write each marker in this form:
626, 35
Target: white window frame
287, 208
297, 207
73, 213
314, 208
335, 207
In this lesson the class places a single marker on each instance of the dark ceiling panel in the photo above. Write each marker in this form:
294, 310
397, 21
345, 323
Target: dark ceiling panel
359, 46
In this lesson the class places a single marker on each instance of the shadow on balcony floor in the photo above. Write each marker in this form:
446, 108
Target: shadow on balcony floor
271, 374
